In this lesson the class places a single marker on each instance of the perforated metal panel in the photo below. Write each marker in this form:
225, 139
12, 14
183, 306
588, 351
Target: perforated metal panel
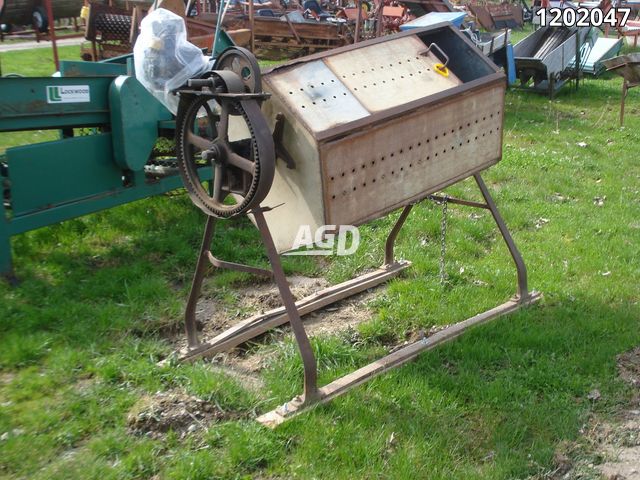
389, 74
317, 96
352, 85
371, 173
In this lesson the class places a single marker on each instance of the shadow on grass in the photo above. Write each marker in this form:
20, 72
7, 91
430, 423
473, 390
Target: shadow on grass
494, 403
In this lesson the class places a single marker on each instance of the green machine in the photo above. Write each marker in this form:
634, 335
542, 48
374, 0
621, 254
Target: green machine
108, 125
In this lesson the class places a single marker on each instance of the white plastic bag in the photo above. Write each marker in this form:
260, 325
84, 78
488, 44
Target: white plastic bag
163, 57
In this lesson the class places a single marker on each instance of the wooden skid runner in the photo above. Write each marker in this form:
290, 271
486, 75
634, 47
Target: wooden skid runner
259, 324
353, 379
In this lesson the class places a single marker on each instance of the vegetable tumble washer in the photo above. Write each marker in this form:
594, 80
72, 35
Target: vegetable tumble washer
357, 132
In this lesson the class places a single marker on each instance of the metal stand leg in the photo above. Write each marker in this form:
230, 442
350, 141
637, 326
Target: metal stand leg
196, 285
201, 268
523, 292
6, 269
306, 352
205, 257
393, 234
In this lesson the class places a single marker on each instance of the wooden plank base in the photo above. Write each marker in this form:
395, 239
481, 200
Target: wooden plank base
395, 359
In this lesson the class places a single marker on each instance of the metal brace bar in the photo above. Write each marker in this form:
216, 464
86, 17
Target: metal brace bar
391, 239
240, 267
459, 201
400, 357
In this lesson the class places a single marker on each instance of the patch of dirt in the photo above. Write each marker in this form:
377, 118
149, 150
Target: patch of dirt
341, 316
215, 316
622, 450
613, 449
6, 378
84, 385
245, 369
154, 416
629, 367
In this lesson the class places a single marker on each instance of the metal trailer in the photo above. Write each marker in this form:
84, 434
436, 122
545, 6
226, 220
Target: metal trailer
28, 12
550, 57
358, 132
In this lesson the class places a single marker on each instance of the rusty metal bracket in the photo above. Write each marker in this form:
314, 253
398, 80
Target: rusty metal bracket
458, 201
278, 135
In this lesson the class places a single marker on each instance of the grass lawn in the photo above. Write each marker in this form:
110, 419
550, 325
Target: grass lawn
81, 336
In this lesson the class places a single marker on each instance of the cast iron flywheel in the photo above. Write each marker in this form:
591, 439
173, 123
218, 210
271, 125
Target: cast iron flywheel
225, 150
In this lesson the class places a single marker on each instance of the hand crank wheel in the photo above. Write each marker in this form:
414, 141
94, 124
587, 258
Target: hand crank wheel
226, 154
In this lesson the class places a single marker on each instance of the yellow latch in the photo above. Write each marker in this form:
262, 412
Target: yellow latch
441, 69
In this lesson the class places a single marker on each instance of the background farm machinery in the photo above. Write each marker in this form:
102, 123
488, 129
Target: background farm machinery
551, 56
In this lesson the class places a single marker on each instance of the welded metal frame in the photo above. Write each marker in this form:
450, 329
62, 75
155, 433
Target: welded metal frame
292, 310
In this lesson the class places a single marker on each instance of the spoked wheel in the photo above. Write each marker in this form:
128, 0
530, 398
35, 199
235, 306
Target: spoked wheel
244, 64
226, 154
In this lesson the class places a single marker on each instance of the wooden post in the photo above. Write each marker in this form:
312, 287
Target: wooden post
625, 89
358, 21
252, 26
52, 33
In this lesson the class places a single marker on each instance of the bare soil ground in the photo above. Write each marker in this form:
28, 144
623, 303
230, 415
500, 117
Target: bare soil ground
613, 448
155, 415
214, 316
